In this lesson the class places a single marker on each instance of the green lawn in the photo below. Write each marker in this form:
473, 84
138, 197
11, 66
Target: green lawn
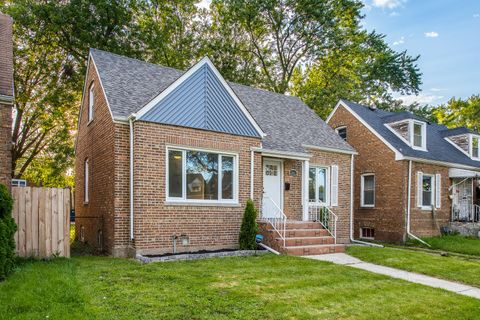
455, 243
450, 268
262, 287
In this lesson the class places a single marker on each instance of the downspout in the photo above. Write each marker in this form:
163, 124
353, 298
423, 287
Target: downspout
352, 189
252, 168
409, 200
131, 118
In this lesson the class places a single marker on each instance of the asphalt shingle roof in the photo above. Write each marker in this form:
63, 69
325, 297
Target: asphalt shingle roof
438, 149
289, 124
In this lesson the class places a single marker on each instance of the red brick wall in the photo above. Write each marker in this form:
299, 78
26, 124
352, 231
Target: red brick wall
388, 217
6, 89
425, 222
207, 226
292, 199
95, 141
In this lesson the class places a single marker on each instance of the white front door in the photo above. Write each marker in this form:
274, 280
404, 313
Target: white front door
272, 185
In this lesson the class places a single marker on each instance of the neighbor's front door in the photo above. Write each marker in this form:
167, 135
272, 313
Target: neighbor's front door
272, 185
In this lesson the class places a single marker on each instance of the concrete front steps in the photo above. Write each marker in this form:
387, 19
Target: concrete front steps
302, 238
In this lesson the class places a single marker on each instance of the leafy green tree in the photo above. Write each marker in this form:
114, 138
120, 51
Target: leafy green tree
249, 228
363, 70
459, 112
7, 231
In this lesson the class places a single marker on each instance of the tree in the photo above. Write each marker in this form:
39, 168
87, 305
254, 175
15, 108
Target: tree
249, 228
459, 112
7, 232
364, 70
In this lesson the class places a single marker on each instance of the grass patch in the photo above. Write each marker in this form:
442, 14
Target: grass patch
264, 287
452, 243
449, 268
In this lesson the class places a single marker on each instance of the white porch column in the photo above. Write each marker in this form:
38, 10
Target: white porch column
305, 170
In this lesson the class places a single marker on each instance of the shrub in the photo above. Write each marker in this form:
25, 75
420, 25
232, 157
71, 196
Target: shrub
7, 231
249, 227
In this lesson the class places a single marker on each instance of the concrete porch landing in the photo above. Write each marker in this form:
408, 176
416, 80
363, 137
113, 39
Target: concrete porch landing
345, 259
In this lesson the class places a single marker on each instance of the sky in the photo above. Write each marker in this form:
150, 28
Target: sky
446, 35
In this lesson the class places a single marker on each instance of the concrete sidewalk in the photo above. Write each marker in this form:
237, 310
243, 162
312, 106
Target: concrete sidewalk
345, 259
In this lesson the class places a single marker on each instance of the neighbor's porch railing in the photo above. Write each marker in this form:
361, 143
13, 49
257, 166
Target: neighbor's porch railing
323, 214
275, 216
465, 211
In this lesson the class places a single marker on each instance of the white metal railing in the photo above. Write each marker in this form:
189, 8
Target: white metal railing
275, 216
321, 213
466, 211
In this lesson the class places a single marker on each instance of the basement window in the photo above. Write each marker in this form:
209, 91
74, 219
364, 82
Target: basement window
367, 233
201, 176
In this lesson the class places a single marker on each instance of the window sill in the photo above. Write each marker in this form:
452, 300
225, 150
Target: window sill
85, 203
201, 204
367, 207
426, 208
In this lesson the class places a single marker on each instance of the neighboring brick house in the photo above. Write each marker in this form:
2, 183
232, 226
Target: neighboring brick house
6, 98
395, 150
201, 148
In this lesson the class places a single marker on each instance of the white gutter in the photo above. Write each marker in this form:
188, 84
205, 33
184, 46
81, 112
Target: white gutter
409, 200
131, 118
440, 163
282, 154
352, 188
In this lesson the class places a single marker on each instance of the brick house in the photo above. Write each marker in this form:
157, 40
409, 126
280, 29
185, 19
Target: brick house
6, 98
412, 177
192, 149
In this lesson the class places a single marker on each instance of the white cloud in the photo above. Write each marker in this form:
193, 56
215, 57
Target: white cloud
400, 41
437, 89
421, 99
390, 4
476, 15
394, 14
431, 34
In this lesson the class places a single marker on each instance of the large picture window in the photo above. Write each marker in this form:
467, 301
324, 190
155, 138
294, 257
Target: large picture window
318, 185
203, 176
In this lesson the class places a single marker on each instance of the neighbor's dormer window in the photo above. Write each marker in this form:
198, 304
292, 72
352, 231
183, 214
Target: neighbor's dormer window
475, 147
418, 135
90, 102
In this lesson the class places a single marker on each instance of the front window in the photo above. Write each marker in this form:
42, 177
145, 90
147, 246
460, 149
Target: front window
318, 185
368, 190
427, 191
475, 147
201, 176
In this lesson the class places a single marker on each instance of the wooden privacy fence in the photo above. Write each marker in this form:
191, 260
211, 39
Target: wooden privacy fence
43, 220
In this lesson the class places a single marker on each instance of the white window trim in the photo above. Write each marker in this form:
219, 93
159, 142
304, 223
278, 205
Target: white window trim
327, 187
340, 128
433, 191
410, 140
362, 236
86, 178
362, 189
423, 125
91, 101
183, 199
470, 144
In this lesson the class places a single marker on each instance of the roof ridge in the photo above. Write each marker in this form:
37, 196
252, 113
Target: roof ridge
138, 60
